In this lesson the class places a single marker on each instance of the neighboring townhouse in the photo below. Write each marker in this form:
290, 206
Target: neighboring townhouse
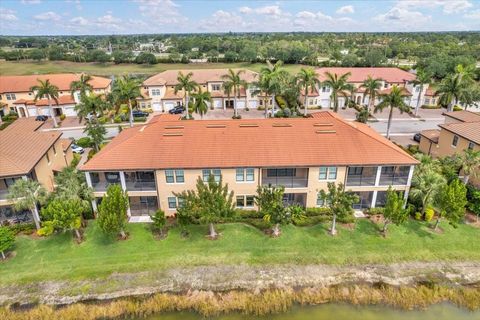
390, 76
28, 153
15, 94
159, 90
460, 131
167, 156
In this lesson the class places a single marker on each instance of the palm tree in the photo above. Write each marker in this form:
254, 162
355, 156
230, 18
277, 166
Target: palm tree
233, 80
339, 86
308, 79
83, 85
201, 100
262, 87
90, 104
469, 163
393, 100
423, 78
26, 194
425, 186
270, 76
450, 90
186, 84
72, 185
372, 87
48, 90
127, 89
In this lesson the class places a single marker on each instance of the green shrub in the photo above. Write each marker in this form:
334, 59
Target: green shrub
102, 120
5, 124
75, 160
429, 213
25, 227
374, 211
117, 119
287, 113
237, 117
139, 119
47, 229
148, 110
84, 142
418, 215
244, 214
457, 108
279, 114
62, 117
259, 223
158, 221
311, 212
91, 153
431, 106
310, 221
347, 219
413, 148
260, 108
11, 116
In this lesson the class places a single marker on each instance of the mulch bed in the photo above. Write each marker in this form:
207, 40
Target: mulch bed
471, 220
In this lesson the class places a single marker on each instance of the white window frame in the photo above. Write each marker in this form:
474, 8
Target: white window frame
244, 173
455, 140
244, 199
176, 173
328, 170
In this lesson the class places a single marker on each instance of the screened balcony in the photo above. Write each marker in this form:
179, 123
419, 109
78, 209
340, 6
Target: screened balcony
140, 181
101, 180
365, 200
143, 206
287, 177
394, 175
361, 176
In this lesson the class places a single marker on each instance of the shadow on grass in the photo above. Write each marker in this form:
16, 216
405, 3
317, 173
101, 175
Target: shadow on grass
368, 227
419, 228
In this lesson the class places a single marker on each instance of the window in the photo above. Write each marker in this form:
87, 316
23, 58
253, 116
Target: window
427, 101
215, 87
217, 174
174, 176
325, 89
172, 202
320, 201
455, 141
10, 96
285, 172
355, 171
327, 173
417, 88
245, 201
243, 174
156, 92
310, 102
471, 145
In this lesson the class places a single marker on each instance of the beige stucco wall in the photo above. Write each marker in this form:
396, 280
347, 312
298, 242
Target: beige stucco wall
44, 168
426, 145
445, 147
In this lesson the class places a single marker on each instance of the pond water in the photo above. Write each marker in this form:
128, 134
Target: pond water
344, 312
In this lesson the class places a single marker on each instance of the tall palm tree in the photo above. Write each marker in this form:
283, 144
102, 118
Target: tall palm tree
233, 79
91, 104
308, 79
83, 85
470, 164
423, 78
425, 186
186, 84
26, 194
270, 75
262, 87
372, 87
393, 100
127, 89
201, 101
451, 90
339, 86
49, 91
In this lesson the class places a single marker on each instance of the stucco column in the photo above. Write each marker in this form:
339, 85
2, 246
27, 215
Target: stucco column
124, 187
374, 199
409, 182
89, 179
377, 177
24, 178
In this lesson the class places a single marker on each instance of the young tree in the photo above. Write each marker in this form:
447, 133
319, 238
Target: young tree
339, 201
112, 211
158, 222
71, 184
308, 79
200, 102
394, 212
26, 194
339, 86
49, 91
469, 162
211, 201
96, 131
234, 81
473, 196
269, 200
7, 239
64, 215
125, 90
451, 202
392, 100
372, 87
186, 84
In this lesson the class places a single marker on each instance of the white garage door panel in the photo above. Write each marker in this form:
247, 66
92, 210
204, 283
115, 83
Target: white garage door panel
169, 105
69, 112
325, 103
217, 104
241, 104
252, 103
156, 106
32, 112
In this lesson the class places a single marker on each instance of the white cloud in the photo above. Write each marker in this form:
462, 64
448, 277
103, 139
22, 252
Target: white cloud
345, 10
79, 21
320, 21
269, 10
473, 15
161, 11
222, 18
50, 15
305, 15
402, 19
31, 1
448, 6
245, 10
7, 15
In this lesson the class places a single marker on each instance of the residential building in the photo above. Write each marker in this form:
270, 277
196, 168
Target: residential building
390, 76
29, 153
159, 90
15, 94
460, 131
168, 155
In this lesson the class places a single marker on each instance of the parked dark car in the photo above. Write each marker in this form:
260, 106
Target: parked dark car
417, 137
176, 110
41, 118
139, 114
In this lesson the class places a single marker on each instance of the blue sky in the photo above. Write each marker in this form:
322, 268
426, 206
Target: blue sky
53, 17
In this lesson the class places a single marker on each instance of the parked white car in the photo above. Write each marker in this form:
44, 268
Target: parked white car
77, 149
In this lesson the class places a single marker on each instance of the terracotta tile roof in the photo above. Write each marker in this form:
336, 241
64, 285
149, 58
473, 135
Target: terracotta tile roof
431, 135
171, 95
169, 77
66, 143
62, 81
311, 93
62, 100
391, 75
430, 92
464, 116
324, 139
22, 146
467, 130
405, 91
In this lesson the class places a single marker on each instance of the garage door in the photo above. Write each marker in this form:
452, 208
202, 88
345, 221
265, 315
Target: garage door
32, 112
69, 111
325, 103
169, 105
241, 104
253, 104
217, 104
156, 106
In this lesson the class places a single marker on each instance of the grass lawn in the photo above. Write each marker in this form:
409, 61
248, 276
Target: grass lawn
108, 69
58, 257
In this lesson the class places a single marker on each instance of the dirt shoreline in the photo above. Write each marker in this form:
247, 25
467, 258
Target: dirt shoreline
240, 277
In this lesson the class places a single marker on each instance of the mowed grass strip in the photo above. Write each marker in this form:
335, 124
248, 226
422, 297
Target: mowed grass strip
59, 257
108, 69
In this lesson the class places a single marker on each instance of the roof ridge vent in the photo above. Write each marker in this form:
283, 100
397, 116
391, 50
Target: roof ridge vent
174, 127
216, 126
325, 131
173, 134
280, 125
327, 124
248, 125
142, 128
